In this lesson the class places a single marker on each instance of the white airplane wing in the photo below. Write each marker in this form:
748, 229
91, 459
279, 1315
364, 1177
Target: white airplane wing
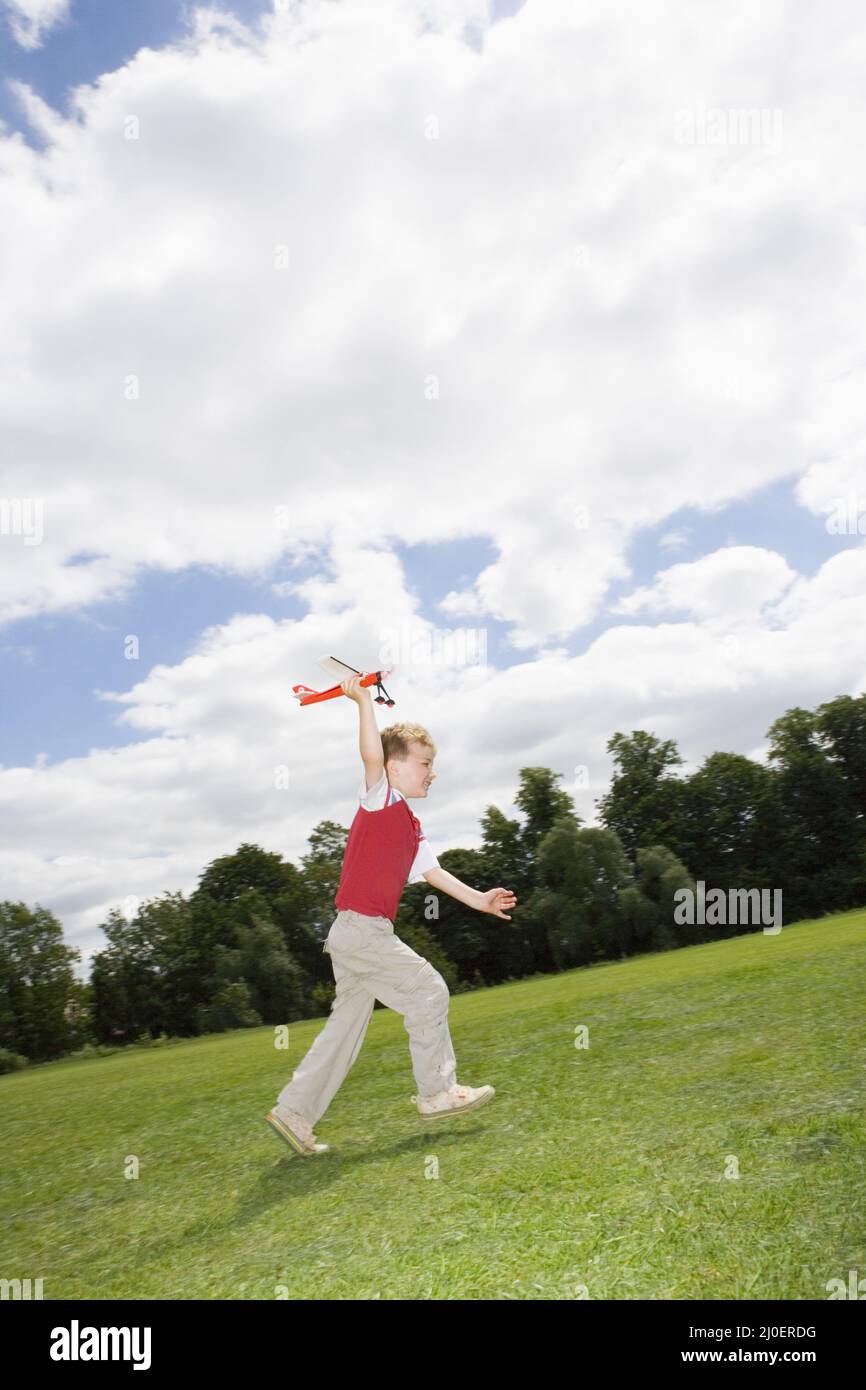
337, 668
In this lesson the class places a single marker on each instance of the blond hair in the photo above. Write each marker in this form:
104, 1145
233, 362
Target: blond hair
397, 737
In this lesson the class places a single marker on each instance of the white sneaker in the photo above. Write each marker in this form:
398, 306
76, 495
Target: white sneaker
453, 1101
296, 1131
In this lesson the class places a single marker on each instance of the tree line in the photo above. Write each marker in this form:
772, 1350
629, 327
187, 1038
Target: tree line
245, 947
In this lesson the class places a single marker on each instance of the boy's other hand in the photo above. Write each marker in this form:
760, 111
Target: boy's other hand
353, 689
496, 899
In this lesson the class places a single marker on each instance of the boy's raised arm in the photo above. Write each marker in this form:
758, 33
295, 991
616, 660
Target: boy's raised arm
372, 753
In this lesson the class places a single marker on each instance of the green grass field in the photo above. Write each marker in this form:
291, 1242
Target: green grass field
607, 1167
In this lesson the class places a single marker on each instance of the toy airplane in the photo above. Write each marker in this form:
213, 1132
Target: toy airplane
305, 696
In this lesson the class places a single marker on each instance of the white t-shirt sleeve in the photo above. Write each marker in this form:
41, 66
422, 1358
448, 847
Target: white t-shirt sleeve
374, 800
424, 861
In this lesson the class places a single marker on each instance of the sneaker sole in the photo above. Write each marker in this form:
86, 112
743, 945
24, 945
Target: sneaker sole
457, 1109
293, 1140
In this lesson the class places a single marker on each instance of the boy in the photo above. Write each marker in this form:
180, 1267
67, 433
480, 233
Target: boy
385, 845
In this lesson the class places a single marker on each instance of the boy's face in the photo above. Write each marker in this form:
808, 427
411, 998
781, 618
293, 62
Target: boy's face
413, 776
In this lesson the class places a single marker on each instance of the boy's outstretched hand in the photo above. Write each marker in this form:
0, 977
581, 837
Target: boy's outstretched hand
496, 900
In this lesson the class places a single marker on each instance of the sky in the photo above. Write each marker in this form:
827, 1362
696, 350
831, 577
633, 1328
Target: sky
517, 346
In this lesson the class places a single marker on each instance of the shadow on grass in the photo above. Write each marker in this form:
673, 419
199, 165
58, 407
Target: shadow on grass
300, 1174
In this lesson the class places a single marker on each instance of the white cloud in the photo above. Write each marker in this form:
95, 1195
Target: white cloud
616, 321
674, 540
730, 584
31, 20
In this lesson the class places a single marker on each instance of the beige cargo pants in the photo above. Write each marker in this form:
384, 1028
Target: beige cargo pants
370, 963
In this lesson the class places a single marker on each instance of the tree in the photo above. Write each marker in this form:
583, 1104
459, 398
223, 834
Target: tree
259, 957
841, 724
158, 969
733, 833
647, 905
504, 850
293, 913
186, 961
38, 988
125, 984
284, 890
321, 867
820, 865
231, 1007
580, 876
643, 805
249, 867
543, 803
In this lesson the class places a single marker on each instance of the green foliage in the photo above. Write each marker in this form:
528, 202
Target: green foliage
39, 995
249, 867
11, 1061
580, 876
153, 970
841, 725
735, 817
231, 1007
258, 956
796, 823
321, 867
817, 759
647, 905
543, 803
321, 998
644, 805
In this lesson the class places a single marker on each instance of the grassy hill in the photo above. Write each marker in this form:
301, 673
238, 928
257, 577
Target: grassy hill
607, 1167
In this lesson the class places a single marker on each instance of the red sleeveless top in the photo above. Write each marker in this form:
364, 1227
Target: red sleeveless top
379, 854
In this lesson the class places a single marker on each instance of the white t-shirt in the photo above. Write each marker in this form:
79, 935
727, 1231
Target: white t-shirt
374, 800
